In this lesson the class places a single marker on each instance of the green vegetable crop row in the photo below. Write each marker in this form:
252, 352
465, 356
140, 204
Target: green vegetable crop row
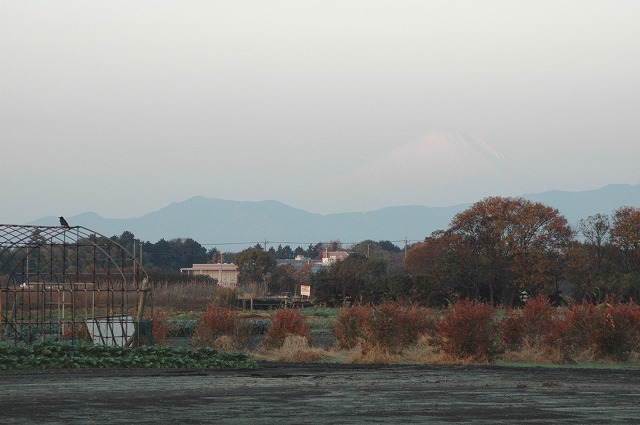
49, 355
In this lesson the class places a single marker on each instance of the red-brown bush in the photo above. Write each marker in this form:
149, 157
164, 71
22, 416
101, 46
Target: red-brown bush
352, 324
214, 323
611, 330
535, 325
286, 321
579, 323
469, 330
160, 328
391, 326
394, 326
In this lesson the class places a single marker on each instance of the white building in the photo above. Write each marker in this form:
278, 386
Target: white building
331, 257
225, 274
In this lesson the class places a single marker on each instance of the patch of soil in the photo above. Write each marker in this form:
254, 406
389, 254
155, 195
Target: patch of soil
322, 393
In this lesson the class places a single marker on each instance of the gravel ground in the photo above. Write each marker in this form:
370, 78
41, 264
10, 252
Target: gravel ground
322, 393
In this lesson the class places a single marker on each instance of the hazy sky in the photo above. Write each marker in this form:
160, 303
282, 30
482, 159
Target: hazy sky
122, 107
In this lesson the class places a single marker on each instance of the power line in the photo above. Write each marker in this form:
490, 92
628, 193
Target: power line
300, 243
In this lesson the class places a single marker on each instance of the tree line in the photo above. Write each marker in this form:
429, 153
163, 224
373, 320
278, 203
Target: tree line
501, 250
164, 258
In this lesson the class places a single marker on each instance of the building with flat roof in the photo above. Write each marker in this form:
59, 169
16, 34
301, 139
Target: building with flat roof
331, 257
225, 274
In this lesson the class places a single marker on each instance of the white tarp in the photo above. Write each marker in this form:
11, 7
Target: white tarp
114, 330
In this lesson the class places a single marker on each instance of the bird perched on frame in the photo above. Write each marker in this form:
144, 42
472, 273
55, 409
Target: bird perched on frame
63, 222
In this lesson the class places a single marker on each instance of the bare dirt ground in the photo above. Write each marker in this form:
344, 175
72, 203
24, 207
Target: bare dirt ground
322, 393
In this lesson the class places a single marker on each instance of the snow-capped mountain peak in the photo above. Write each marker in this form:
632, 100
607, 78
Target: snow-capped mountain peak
438, 169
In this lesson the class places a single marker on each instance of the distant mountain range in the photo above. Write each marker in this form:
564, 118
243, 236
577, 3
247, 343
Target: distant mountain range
234, 225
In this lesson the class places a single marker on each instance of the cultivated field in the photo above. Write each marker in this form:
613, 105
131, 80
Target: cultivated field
321, 393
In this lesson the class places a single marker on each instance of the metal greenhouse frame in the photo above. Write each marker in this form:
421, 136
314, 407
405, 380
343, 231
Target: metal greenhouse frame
70, 285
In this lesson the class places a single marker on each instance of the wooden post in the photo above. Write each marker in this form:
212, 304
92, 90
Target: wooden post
135, 338
143, 299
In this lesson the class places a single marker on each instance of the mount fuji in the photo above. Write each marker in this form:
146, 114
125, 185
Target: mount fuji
438, 169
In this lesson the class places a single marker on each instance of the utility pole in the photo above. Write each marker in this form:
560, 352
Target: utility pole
405, 247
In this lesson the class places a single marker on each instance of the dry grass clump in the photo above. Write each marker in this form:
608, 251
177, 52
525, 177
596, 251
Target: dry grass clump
226, 343
373, 354
424, 351
535, 353
296, 349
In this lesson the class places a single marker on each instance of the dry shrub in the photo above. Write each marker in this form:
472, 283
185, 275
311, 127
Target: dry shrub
579, 322
352, 325
286, 321
215, 323
606, 331
619, 334
390, 326
533, 327
396, 327
296, 349
373, 354
543, 354
469, 330
161, 328
424, 351
225, 343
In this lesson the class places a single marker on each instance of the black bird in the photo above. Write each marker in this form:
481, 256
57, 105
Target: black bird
63, 222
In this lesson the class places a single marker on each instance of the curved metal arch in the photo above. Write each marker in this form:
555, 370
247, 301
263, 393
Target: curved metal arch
65, 283
16, 240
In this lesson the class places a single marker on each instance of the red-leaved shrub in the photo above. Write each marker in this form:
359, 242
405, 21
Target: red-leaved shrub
469, 330
612, 331
391, 326
286, 321
535, 325
214, 323
579, 323
352, 325
160, 328
394, 326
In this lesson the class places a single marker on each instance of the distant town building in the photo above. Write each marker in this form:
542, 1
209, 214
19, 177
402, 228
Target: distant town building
298, 262
225, 274
331, 257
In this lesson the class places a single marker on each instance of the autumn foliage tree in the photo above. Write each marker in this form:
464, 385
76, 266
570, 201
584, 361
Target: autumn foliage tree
625, 235
511, 244
441, 269
517, 242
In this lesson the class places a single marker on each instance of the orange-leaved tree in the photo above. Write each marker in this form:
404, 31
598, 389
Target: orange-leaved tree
625, 235
516, 245
441, 269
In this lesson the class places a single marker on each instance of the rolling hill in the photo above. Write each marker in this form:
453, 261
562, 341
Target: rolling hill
234, 225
